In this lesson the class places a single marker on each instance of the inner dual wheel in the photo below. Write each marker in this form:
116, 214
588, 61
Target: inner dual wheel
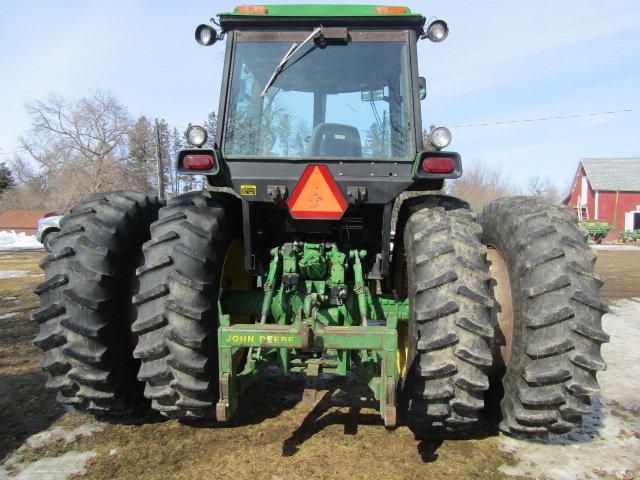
193, 253
449, 329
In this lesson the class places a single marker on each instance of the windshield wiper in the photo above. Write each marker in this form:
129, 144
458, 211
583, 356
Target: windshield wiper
292, 51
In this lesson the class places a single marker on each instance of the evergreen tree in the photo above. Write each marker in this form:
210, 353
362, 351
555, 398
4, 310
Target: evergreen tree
141, 141
6, 179
142, 153
168, 169
211, 125
177, 144
376, 142
373, 141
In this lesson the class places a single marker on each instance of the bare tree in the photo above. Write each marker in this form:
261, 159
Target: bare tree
539, 186
480, 184
77, 146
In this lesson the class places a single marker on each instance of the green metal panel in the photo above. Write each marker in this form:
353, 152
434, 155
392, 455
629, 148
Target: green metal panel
596, 226
323, 10
315, 313
323, 338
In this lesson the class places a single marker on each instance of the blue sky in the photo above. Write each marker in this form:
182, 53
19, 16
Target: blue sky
503, 60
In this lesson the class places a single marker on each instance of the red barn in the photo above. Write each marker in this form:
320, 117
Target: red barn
607, 189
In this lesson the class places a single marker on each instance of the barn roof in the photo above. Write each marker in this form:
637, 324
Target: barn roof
613, 174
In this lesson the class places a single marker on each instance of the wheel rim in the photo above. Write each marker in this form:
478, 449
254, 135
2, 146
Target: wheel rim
402, 352
503, 310
402, 329
234, 277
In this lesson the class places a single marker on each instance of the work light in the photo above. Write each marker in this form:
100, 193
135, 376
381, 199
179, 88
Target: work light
437, 31
206, 35
440, 137
196, 135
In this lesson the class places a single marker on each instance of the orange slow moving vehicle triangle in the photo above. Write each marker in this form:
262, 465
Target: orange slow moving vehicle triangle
316, 196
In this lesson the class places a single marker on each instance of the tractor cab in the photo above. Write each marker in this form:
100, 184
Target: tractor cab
333, 88
319, 120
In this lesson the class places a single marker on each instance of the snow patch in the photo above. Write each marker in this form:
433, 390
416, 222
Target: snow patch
8, 315
617, 247
4, 274
67, 436
56, 468
10, 240
51, 468
608, 443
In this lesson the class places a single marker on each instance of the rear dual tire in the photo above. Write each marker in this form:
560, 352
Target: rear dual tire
551, 347
177, 305
531, 321
450, 327
85, 309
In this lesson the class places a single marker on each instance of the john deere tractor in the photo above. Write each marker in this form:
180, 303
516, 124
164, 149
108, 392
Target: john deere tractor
305, 251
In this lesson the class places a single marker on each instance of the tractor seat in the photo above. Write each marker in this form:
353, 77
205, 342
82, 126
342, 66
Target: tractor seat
335, 140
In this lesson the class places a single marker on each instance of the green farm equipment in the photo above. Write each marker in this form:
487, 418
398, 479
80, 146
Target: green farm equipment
630, 236
287, 257
597, 229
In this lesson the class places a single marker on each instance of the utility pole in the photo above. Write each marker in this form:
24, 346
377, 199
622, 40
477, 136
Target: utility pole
159, 161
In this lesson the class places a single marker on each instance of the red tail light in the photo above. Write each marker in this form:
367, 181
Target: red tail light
438, 165
198, 161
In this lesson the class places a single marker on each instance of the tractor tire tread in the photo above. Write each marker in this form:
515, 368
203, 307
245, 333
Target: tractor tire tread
448, 284
177, 308
556, 353
83, 303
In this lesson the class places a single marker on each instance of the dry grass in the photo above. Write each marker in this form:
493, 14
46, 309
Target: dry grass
25, 406
273, 435
621, 270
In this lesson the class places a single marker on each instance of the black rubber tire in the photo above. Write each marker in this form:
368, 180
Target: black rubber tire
177, 304
557, 328
85, 309
450, 324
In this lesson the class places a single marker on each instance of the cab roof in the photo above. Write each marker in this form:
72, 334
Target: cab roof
302, 15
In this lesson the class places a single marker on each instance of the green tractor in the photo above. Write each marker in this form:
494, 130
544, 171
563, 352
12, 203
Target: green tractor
288, 257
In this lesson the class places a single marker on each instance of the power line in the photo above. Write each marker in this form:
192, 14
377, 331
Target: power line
558, 117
